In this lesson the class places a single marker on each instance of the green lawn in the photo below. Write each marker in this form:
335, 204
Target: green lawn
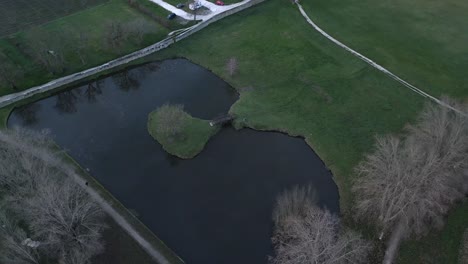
189, 142
423, 41
21, 14
439, 246
300, 83
65, 34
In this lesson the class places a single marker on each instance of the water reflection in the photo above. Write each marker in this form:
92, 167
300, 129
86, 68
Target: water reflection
92, 90
213, 209
28, 114
66, 101
126, 80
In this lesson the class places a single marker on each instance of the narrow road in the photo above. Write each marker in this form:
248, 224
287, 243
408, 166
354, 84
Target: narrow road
56, 162
375, 65
214, 9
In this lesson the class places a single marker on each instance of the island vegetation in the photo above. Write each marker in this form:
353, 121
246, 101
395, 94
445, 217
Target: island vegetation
179, 133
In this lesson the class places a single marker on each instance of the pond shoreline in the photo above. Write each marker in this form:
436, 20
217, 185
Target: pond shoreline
221, 151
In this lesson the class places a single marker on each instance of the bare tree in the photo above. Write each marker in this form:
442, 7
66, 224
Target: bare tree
19, 170
63, 215
232, 66
304, 233
407, 186
115, 34
170, 120
13, 249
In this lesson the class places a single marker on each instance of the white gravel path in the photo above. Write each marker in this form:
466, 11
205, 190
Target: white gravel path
375, 65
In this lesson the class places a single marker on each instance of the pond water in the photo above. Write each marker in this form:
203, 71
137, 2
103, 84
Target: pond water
213, 209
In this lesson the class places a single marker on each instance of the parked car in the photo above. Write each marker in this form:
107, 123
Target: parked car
180, 5
195, 5
220, 3
171, 16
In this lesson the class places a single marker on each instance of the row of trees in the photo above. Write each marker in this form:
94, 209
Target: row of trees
44, 214
405, 187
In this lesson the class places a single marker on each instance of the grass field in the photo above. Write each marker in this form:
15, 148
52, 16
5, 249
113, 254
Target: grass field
302, 84
422, 41
65, 34
16, 15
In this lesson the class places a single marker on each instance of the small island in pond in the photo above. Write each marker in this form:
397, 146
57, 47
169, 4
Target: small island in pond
179, 133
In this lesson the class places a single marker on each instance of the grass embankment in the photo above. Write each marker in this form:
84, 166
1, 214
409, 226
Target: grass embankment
84, 30
190, 138
302, 84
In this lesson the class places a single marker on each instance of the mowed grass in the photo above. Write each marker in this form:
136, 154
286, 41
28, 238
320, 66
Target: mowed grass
292, 79
423, 41
439, 246
93, 23
16, 15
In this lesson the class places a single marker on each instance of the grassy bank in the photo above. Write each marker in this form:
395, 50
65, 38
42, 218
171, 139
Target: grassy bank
188, 141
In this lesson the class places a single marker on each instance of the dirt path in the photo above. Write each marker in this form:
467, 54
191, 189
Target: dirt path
375, 65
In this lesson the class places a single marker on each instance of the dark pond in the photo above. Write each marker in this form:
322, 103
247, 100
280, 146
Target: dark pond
213, 209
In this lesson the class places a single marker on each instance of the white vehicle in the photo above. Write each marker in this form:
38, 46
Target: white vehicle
195, 5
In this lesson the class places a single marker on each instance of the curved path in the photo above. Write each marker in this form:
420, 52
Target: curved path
375, 65
54, 161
